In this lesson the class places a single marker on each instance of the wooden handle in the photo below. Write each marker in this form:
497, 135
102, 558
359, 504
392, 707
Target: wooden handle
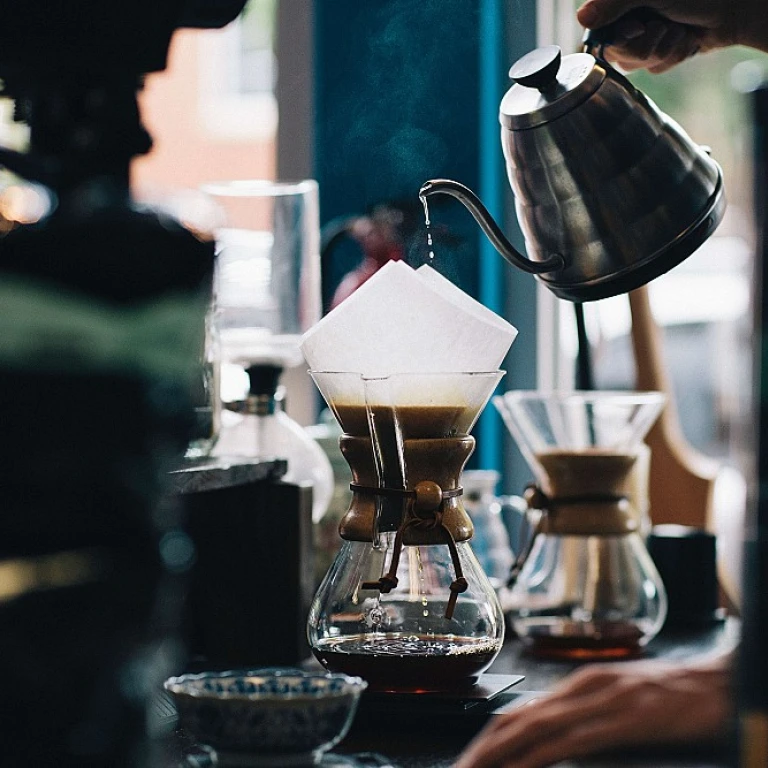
682, 479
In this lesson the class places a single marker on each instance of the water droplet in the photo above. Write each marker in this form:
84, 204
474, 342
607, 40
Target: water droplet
423, 199
375, 616
424, 202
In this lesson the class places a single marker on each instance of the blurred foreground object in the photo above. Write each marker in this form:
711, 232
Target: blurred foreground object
753, 662
102, 306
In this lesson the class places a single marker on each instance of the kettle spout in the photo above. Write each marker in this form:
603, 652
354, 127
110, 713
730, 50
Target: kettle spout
472, 203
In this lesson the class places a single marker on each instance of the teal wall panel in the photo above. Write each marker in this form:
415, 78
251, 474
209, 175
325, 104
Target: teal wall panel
408, 90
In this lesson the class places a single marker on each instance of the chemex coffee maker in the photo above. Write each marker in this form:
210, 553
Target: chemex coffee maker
584, 586
609, 191
406, 604
389, 610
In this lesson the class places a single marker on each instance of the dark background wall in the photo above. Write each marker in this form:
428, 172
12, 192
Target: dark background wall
396, 103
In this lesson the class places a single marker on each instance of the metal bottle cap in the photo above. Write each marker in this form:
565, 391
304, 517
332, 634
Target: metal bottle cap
547, 86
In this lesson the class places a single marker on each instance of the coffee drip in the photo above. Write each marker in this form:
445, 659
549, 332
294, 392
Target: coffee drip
406, 604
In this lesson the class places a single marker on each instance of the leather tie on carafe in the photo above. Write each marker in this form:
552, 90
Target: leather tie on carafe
577, 505
426, 518
426, 498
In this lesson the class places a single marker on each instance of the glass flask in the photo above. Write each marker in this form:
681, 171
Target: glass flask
267, 268
585, 586
405, 604
261, 429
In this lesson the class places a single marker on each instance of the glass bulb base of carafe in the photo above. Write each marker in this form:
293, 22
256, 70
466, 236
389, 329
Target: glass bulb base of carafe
400, 638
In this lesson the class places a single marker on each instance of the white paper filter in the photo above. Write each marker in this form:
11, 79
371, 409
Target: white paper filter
403, 320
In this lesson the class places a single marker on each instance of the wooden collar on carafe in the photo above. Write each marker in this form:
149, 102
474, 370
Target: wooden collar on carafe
588, 494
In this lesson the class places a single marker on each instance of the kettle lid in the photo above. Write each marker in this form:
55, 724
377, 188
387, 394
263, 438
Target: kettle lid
547, 86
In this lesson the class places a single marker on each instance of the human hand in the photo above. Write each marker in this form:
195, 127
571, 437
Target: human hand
684, 27
607, 706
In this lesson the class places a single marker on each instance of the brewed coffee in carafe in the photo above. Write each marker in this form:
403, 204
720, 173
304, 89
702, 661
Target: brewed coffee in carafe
586, 586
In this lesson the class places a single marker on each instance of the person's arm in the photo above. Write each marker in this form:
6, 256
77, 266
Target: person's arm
686, 27
606, 706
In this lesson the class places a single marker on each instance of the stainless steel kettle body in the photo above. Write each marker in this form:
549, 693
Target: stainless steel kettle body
602, 179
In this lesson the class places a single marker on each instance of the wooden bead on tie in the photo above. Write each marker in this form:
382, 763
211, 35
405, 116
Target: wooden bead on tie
535, 497
429, 495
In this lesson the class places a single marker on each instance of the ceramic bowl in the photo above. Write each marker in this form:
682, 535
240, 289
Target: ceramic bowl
266, 717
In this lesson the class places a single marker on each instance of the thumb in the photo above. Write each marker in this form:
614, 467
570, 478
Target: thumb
597, 13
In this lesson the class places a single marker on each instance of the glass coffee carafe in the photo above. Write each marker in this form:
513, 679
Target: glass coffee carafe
406, 605
585, 586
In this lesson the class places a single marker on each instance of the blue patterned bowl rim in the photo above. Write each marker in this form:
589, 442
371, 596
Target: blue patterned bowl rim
265, 684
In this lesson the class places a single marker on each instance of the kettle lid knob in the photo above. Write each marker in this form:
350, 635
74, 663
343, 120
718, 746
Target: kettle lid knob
538, 69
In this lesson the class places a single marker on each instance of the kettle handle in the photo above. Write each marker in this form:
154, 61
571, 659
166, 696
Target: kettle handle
472, 203
602, 36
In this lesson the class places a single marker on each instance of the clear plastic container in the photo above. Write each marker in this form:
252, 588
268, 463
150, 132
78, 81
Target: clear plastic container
490, 540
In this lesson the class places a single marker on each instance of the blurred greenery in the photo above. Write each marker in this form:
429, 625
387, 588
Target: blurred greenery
705, 87
706, 95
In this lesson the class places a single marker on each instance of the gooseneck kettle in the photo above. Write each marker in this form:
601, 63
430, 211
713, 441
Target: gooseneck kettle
610, 192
